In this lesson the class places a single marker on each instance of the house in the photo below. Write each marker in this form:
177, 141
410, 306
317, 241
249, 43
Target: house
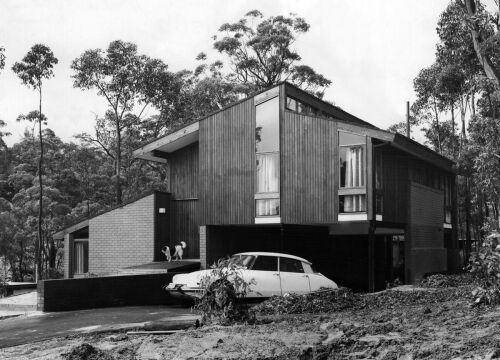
282, 170
124, 236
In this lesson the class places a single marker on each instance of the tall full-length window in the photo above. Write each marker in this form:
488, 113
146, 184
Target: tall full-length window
267, 181
352, 170
80, 256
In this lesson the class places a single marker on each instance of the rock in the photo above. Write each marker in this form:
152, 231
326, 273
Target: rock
120, 337
427, 310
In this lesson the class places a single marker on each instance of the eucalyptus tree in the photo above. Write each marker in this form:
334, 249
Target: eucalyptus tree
33, 69
485, 30
2, 57
261, 52
122, 77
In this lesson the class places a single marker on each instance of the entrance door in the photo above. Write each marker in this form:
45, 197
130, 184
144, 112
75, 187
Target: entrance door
293, 277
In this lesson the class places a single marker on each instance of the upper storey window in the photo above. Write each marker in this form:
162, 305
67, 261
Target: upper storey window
267, 181
302, 108
352, 171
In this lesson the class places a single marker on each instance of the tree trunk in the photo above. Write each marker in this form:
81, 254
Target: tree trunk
453, 147
468, 240
118, 162
38, 246
436, 114
477, 38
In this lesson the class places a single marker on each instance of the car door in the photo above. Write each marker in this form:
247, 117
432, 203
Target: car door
316, 280
265, 274
293, 278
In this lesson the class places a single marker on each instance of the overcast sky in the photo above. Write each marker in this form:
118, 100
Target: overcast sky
370, 49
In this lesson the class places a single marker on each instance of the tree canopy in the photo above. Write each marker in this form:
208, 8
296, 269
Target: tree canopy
261, 54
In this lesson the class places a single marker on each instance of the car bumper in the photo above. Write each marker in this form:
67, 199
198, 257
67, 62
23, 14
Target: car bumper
183, 293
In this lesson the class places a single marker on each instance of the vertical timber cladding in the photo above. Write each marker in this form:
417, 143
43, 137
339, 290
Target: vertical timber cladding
308, 166
424, 238
162, 223
184, 204
395, 182
227, 166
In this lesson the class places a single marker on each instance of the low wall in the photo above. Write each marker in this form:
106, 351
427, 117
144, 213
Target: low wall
98, 292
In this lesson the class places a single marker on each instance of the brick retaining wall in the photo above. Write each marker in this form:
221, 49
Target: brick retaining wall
98, 292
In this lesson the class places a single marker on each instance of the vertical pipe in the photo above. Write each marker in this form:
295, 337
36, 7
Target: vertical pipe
408, 119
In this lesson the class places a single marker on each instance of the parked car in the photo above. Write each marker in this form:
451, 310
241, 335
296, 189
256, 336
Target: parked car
272, 274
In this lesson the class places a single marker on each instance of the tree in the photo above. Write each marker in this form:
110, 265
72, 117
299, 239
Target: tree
119, 76
261, 55
2, 57
485, 38
32, 70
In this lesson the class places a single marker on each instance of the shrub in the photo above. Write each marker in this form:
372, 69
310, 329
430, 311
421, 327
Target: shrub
223, 287
485, 265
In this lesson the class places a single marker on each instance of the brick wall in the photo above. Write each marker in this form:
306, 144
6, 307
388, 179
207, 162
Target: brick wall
203, 247
122, 237
98, 292
68, 246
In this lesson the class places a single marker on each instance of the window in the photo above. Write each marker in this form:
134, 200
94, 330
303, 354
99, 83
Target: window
302, 108
267, 157
266, 263
80, 256
267, 207
291, 265
352, 165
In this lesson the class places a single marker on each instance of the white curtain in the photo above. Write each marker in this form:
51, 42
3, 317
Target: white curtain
79, 258
267, 207
268, 173
355, 177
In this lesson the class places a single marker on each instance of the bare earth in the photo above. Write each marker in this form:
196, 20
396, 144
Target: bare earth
414, 324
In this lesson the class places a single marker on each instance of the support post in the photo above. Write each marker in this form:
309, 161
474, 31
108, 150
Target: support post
371, 256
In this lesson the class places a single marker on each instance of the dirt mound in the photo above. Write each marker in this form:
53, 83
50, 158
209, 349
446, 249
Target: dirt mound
87, 352
322, 301
445, 281
335, 300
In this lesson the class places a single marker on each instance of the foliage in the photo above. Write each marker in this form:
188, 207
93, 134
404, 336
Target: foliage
2, 57
222, 287
485, 265
261, 54
119, 75
36, 65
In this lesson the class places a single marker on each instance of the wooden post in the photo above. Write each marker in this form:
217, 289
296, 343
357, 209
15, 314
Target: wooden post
371, 256
408, 133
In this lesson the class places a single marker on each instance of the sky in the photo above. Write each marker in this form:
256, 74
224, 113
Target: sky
370, 49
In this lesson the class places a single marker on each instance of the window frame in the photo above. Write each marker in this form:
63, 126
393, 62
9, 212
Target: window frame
84, 242
352, 190
275, 195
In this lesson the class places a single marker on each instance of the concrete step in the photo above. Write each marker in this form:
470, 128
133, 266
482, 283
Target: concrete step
24, 302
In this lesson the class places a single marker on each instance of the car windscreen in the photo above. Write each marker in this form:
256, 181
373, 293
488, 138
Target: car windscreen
243, 260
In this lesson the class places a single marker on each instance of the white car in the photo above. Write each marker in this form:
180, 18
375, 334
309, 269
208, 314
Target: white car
272, 274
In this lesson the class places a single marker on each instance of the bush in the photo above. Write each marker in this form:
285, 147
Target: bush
485, 265
222, 288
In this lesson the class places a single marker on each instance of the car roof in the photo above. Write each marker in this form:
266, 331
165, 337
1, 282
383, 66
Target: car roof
263, 253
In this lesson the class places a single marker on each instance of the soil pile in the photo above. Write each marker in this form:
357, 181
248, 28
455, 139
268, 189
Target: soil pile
322, 301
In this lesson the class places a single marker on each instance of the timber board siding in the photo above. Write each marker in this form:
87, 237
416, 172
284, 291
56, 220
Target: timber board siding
309, 178
184, 172
227, 166
185, 227
395, 182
